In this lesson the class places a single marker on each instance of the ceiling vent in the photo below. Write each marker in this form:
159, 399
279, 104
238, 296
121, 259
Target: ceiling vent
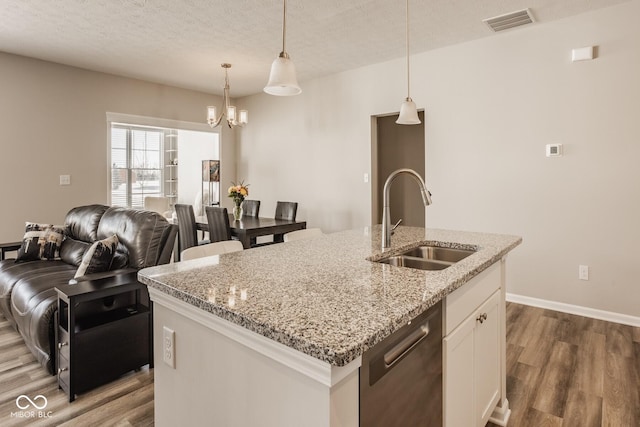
509, 20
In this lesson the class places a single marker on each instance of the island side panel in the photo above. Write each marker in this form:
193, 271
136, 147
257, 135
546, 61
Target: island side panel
218, 381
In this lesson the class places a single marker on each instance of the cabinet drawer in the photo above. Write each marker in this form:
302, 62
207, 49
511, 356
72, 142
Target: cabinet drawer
463, 301
63, 343
63, 373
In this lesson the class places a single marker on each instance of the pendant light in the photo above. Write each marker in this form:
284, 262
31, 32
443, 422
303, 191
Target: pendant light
282, 80
408, 112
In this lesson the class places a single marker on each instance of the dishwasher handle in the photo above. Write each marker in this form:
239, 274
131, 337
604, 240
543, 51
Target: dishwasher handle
403, 347
424, 331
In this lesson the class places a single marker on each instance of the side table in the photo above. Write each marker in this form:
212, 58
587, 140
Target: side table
104, 329
8, 247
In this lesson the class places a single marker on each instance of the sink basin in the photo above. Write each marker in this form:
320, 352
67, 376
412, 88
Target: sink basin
413, 262
428, 257
438, 253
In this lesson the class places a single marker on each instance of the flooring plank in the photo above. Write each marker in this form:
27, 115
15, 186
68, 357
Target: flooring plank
619, 339
583, 409
620, 392
550, 395
590, 364
537, 418
539, 341
519, 321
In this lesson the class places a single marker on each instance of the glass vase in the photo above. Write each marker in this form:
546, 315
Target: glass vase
237, 212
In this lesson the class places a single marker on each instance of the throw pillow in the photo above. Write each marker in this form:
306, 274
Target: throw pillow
41, 242
98, 257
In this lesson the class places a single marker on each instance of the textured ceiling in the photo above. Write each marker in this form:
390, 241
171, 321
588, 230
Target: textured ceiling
183, 42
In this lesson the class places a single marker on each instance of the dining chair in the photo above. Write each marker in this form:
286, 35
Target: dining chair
285, 210
215, 248
251, 208
307, 233
218, 220
187, 231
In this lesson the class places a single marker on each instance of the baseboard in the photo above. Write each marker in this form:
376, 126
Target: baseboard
609, 316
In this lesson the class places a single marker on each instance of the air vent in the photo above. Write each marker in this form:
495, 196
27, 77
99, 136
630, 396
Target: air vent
509, 20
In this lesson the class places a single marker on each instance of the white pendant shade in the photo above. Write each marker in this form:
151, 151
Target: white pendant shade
282, 80
408, 113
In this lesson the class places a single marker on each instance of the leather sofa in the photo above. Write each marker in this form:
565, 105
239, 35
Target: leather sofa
28, 299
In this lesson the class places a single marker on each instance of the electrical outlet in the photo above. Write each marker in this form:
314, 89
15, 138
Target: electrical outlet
583, 272
169, 347
65, 179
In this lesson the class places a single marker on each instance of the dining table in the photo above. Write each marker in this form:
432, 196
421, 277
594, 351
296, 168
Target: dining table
249, 227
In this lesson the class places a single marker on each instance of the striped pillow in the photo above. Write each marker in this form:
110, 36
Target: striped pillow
41, 242
98, 257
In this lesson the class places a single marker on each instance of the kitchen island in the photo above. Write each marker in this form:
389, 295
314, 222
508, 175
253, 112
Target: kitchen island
275, 335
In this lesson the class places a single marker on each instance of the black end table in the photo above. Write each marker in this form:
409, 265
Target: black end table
104, 329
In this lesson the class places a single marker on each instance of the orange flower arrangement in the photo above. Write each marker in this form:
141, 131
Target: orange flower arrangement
238, 192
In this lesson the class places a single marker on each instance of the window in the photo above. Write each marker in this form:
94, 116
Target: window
136, 164
143, 159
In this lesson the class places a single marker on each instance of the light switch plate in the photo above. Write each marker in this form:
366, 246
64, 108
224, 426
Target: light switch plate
65, 179
582, 54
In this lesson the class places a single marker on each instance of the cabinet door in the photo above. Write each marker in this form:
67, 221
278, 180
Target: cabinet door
458, 370
487, 358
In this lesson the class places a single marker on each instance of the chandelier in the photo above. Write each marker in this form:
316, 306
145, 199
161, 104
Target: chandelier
233, 120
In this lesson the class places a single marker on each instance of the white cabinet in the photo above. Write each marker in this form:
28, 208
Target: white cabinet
473, 350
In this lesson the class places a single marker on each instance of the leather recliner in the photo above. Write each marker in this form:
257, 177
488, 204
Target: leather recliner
28, 298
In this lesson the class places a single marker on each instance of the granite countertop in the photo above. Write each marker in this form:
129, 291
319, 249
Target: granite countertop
324, 296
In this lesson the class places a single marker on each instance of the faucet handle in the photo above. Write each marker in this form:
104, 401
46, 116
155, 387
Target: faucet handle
396, 225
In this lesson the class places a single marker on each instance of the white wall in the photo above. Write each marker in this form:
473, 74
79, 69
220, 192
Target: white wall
54, 122
194, 147
491, 106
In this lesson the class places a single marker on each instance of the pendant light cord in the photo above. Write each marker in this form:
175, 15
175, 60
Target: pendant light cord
408, 67
284, 25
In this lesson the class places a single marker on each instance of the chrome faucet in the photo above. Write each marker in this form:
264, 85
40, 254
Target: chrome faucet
386, 212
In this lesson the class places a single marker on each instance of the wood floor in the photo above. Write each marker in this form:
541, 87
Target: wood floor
562, 370
566, 370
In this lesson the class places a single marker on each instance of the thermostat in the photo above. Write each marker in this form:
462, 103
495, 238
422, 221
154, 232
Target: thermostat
554, 150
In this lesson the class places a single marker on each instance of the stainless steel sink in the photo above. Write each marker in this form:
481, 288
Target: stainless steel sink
439, 253
428, 257
413, 262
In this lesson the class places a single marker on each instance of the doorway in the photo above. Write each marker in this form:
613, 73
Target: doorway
394, 147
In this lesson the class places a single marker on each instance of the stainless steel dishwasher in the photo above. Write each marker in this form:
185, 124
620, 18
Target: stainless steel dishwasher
401, 377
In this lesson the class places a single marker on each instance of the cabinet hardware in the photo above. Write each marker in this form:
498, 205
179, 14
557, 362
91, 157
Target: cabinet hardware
61, 370
481, 318
60, 344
